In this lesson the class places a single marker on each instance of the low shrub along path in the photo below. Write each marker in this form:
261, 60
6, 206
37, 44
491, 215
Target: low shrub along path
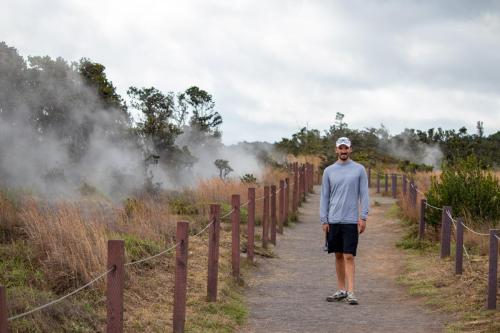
287, 293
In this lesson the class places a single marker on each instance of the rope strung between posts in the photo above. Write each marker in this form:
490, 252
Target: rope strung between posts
497, 237
465, 250
431, 206
41, 307
63, 297
416, 189
466, 227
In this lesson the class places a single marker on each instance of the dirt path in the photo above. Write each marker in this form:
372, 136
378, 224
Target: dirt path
287, 293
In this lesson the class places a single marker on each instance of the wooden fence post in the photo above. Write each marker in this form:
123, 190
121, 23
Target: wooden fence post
421, 224
287, 199
445, 232
386, 183
311, 177
303, 183
114, 286
394, 184
265, 218
235, 235
378, 182
273, 214
459, 254
3, 310
369, 174
251, 224
306, 178
180, 288
281, 207
213, 252
405, 183
295, 194
492, 271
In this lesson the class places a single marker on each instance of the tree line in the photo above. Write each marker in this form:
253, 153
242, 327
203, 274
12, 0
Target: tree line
375, 145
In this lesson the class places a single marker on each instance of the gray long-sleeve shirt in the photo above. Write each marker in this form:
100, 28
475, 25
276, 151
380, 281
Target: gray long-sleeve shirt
343, 190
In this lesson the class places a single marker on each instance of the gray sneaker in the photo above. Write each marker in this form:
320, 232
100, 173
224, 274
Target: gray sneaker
337, 296
351, 299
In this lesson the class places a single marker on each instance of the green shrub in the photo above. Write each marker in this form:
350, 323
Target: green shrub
226, 208
248, 178
471, 192
183, 203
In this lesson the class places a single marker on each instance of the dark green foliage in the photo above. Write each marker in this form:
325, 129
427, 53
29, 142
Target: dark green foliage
94, 75
374, 146
224, 168
409, 167
183, 204
226, 208
204, 117
470, 190
248, 179
138, 248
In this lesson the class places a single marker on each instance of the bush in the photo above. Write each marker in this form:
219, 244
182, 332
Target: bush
471, 191
248, 178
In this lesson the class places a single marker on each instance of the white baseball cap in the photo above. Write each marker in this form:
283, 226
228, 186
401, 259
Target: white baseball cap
343, 141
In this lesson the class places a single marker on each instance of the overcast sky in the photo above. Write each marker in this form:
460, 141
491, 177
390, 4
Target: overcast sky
276, 66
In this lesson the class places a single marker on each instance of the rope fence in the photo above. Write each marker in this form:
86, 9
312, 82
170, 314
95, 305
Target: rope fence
410, 193
275, 213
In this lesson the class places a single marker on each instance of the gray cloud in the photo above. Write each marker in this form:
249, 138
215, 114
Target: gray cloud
275, 66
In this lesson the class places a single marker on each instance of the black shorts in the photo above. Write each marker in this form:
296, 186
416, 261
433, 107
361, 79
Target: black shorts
343, 238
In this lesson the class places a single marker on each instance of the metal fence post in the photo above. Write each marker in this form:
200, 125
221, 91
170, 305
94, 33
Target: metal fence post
445, 232
114, 286
492, 271
213, 252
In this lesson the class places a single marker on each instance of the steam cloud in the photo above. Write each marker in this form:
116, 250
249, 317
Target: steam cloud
112, 161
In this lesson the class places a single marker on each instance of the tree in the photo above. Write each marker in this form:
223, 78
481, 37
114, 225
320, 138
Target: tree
94, 76
157, 126
224, 168
203, 115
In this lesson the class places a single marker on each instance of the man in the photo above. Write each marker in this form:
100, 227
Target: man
343, 211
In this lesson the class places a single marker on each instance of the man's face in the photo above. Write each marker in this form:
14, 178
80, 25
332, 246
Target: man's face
343, 152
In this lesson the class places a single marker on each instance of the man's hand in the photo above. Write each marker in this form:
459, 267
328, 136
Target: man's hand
326, 226
361, 226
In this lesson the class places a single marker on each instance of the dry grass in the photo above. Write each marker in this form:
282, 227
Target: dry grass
463, 297
67, 248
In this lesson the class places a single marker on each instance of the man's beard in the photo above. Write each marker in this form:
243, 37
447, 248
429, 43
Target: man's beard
344, 157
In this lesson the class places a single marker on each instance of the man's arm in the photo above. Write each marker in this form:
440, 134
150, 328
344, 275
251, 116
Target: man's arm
324, 201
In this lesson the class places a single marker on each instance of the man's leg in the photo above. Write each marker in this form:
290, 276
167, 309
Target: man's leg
340, 268
348, 261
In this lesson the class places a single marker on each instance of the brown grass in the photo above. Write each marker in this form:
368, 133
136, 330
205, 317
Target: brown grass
68, 242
